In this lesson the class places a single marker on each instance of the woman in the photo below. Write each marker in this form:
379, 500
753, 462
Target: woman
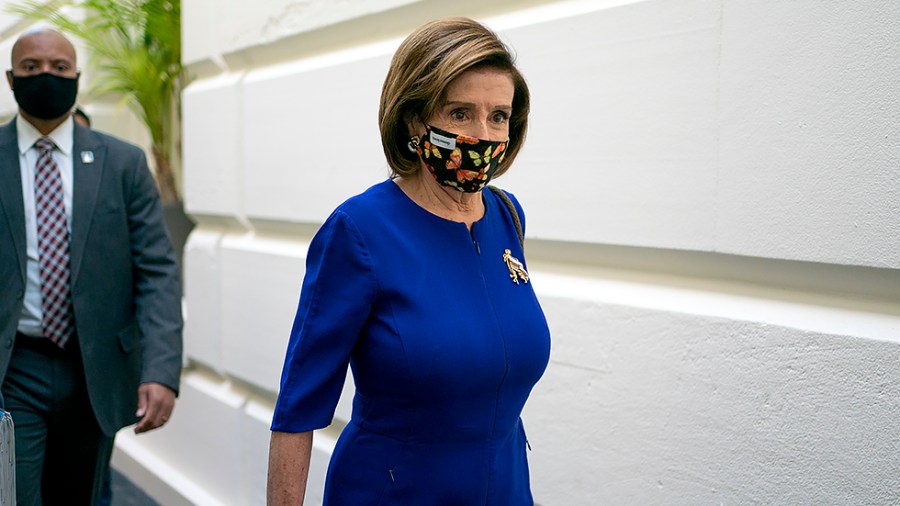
420, 285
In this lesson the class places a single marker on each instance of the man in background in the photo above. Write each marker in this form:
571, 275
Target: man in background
90, 312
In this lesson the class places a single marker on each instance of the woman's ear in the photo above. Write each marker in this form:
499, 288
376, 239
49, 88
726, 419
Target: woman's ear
414, 125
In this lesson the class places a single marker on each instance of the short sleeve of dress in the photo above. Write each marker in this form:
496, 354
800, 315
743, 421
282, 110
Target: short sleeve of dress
335, 299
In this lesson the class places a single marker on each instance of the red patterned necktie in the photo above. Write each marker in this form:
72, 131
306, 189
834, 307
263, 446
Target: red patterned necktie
53, 246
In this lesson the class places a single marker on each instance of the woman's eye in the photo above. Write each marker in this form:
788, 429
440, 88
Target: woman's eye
500, 117
458, 115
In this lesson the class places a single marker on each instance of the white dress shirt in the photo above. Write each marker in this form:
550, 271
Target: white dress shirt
62, 136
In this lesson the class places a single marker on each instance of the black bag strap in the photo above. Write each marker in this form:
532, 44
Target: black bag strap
512, 211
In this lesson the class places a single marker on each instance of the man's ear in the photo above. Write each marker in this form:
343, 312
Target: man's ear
9, 79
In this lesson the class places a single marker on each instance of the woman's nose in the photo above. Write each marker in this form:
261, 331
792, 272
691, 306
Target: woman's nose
481, 130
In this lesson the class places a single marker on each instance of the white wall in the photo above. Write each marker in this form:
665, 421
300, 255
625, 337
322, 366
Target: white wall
713, 202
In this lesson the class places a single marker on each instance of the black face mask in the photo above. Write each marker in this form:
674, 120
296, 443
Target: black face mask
45, 96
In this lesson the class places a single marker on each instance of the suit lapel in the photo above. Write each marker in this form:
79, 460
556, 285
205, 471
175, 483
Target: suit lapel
88, 161
13, 207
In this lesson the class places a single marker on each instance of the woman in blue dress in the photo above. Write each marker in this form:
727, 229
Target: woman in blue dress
420, 285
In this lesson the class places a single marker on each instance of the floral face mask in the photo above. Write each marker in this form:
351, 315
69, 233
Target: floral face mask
461, 162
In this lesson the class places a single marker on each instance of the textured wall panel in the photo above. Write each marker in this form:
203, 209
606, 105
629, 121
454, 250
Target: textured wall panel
622, 145
809, 131
311, 137
203, 298
260, 287
212, 147
661, 407
199, 40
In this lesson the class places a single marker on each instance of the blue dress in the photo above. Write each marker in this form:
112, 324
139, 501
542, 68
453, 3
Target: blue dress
443, 345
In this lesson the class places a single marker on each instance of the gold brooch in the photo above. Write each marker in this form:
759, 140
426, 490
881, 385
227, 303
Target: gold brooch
516, 269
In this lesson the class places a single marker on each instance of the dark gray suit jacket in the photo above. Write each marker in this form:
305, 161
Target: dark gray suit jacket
126, 291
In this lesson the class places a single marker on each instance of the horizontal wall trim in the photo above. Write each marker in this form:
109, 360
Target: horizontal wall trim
866, 283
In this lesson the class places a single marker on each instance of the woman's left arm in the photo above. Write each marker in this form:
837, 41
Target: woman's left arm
289, 455
338, 290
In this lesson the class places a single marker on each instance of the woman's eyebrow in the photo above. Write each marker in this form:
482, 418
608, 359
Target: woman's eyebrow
458, 103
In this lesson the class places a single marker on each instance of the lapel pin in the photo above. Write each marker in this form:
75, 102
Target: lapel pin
87, 157
516, 269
